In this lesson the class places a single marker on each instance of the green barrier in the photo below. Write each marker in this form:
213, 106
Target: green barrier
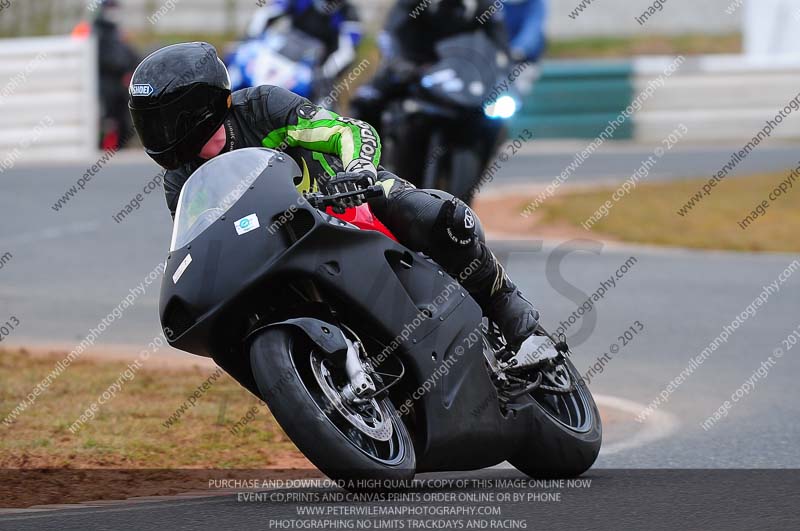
586, 126
577, 99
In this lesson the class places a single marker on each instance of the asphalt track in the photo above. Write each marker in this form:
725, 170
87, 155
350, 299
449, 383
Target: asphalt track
70, 268
70, 265
542, 164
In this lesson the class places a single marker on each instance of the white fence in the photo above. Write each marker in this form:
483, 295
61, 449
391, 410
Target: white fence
719, 97
48, 99
615, 18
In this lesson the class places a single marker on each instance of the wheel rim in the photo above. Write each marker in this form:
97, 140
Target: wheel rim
571, 409
369, 418
392, 451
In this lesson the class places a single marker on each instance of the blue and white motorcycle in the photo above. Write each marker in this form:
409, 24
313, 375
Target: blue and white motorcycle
282, 56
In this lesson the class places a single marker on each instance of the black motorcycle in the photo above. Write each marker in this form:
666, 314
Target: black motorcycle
446, 129
374, 361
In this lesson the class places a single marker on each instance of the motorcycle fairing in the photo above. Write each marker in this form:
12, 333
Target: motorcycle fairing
391, 292
363, 218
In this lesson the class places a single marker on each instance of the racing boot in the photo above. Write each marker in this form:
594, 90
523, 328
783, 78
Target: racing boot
501, 300
461, 250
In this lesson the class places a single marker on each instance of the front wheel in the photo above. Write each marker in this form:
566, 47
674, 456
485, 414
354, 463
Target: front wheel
565, 437
344, 441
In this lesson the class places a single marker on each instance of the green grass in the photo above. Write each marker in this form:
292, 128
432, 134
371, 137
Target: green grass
606, 47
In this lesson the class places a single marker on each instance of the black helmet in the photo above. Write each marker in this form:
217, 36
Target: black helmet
179, 96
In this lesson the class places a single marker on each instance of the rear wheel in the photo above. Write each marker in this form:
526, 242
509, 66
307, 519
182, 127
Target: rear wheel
565, 437
303, 391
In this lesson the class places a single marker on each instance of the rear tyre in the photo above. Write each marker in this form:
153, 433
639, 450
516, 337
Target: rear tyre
566, 434
296, 382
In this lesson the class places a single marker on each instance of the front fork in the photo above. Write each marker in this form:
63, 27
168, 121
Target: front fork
360, 383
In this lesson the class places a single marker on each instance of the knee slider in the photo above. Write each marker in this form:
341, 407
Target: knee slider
458, 222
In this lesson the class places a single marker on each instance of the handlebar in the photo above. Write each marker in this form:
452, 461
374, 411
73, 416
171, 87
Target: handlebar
320, 201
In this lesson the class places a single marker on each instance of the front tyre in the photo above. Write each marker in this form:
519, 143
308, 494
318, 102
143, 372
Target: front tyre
345, 442
565, 437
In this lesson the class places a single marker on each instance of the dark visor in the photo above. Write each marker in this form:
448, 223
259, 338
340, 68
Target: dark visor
162, 128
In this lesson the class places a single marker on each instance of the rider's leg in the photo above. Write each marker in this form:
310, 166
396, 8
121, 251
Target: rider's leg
444, 228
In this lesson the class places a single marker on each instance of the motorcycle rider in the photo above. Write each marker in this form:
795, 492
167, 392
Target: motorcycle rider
184, 113
408, 43
116, 60
334, 22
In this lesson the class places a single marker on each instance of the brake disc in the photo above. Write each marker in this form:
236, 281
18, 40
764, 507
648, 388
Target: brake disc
373, 421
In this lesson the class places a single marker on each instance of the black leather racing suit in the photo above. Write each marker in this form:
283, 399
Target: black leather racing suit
411, 33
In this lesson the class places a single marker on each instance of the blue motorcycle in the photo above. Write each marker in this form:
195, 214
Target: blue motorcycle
283, 56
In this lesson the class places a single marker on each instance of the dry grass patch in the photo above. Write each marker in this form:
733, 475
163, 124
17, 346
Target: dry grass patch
128, 431
648, 214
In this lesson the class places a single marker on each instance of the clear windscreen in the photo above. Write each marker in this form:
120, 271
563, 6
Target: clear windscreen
213, 189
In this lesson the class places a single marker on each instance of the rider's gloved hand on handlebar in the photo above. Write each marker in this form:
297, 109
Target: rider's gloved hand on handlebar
349, 181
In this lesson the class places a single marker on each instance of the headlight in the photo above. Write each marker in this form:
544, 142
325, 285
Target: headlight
504, 107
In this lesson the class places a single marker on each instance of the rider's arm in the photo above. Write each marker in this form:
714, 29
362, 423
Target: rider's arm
265, 16
350, 33
296, 122
529, 40
173, 182
495, 27
399, 29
